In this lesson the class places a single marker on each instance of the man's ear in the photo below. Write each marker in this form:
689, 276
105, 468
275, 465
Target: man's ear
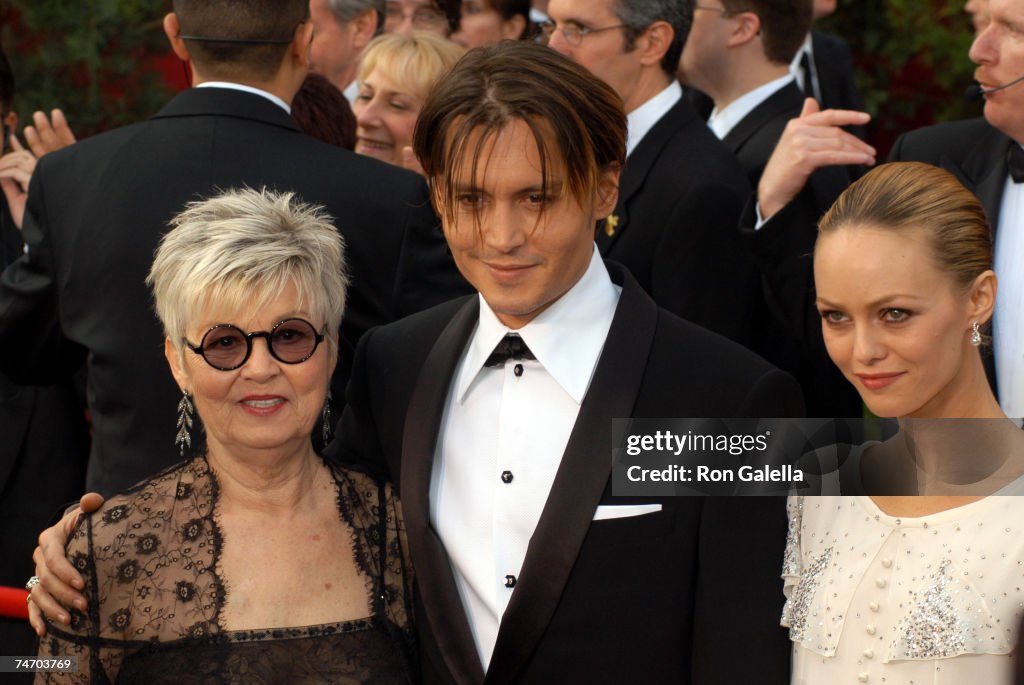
512, 28
747, 27
363, 28
172, 28
607, 191
655, 42
10, 121
173, 357
300, 47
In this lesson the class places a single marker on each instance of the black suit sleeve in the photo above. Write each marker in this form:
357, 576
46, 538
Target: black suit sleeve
700, 270
356, 438
33, 350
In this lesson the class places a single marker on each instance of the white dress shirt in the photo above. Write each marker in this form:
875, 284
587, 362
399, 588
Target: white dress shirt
247, 89
1008, 322
497, 422
643, 118
724, 120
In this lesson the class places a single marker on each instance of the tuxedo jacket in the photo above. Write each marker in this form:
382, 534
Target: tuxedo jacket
782, 251
97, 210
674, 228
754, 137
653, 598
974, 152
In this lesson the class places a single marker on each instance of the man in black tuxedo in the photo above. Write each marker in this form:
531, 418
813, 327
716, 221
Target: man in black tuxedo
682, 189
982, 153
97, 209
739, 53
528, 569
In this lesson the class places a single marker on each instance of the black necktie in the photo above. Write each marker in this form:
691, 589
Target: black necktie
1015, 159
805, 69
510, 347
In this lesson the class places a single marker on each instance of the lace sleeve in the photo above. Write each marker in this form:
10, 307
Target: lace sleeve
98, 661
792, 563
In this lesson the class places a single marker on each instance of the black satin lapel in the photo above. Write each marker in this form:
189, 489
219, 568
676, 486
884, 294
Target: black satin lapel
444, 611
987, 168
579, 483
785, 99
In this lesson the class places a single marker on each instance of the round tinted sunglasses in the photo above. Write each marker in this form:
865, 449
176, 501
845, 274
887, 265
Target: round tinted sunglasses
227, 347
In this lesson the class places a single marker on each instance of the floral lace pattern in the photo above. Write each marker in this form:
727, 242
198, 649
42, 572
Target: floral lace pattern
149, 560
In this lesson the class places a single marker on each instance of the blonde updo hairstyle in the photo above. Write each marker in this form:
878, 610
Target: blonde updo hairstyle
238, 250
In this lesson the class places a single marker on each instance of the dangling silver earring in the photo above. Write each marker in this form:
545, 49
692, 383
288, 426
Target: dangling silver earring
185, 410
976, 334
325, 419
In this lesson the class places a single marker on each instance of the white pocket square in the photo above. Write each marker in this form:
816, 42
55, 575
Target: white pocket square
605, 511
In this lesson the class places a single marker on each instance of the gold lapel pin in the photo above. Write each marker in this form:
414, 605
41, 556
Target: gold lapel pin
611, 224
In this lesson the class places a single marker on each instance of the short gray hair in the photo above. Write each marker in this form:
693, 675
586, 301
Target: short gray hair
637, 15
347, 10
240, 249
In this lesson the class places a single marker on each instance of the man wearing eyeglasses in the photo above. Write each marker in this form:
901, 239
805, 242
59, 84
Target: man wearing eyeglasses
682, 192
97, 209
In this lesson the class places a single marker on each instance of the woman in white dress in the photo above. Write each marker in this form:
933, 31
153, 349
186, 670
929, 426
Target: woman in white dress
926, 583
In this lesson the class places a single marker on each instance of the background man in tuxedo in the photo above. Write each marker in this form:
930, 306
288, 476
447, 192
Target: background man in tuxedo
97, 209
493, 415
682, 189
983, 153
341, 29
739, 53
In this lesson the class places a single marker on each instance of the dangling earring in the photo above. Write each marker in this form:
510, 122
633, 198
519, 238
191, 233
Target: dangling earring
976, 334
325, 419
185, 410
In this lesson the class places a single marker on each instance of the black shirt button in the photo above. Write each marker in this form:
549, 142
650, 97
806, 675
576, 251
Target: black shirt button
506, 477
518, 370
510, 581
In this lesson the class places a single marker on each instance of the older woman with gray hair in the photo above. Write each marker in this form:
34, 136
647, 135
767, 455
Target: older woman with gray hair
253, 560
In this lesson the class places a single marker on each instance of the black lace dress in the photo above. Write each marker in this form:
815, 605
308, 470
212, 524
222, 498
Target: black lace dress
149, 558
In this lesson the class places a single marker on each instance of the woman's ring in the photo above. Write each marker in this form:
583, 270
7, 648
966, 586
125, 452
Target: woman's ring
32, 582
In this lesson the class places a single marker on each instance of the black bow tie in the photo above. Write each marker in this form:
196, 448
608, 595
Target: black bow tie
1015, 158
510, 347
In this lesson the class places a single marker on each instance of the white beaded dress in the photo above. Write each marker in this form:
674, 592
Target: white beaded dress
873, 598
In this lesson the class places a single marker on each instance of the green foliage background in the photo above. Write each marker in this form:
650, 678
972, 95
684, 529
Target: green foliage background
84, 56
912, 61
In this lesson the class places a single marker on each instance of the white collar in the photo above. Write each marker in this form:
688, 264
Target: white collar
723, 121
351, 91
643, 118
566, 338
247, 89
794, 66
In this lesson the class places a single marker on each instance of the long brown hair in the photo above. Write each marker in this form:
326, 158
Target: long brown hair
576, 119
